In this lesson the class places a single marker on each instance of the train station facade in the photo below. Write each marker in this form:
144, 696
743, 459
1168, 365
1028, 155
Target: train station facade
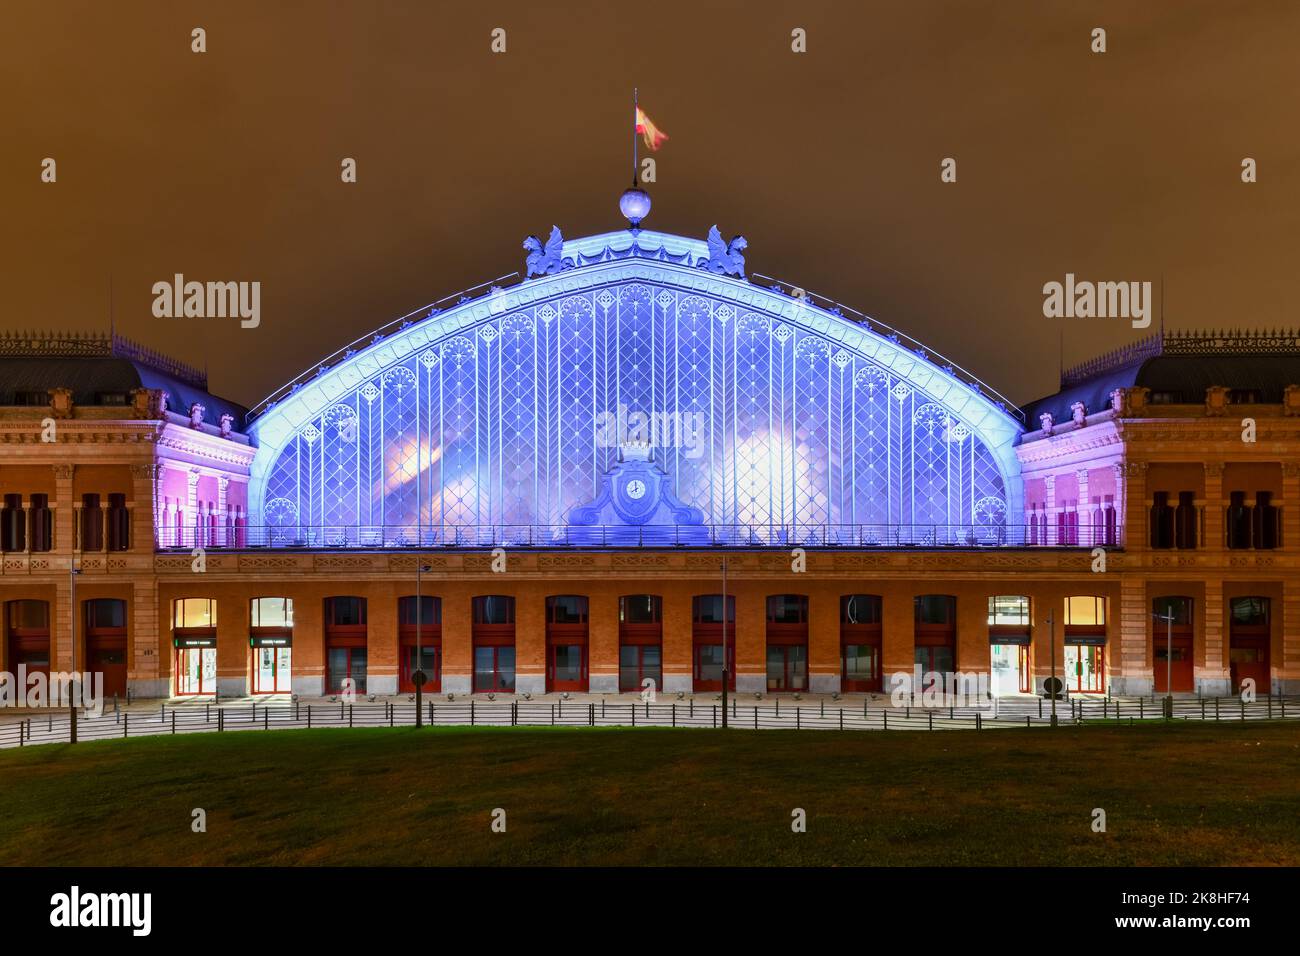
638, 463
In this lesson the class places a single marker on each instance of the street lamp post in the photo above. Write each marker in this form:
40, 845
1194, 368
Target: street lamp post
72, 625
418, 676
1051, 643
1168, 702
725, 670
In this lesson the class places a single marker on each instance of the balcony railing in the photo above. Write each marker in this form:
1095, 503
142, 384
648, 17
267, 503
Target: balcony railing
384, 537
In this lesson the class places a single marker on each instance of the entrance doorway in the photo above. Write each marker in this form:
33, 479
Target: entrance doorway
708, 642
29, 637
427, 657
494, 644
860, 637
1010, 668
566, 643
106, 643
346, 656
1085, 668
935, 638
640, 642
1172, 668
1248, 643
194, 635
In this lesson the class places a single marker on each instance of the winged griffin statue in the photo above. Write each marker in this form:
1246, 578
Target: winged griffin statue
548, 260
726, 258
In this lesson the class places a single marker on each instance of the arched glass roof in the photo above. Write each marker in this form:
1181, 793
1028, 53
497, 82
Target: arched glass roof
634, 396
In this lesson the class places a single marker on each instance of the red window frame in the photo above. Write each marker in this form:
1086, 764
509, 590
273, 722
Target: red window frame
855, 633
430, 633
346, 637
710, 634
782, 636
1250, 637
640, 635
567, 634
495, 636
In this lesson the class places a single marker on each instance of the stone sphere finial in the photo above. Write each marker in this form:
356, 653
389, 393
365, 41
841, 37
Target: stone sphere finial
634, 204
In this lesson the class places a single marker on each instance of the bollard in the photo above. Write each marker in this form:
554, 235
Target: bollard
553, 715
309, 716
126, 723
221, 720
591, 715
674, 709
756, 718
885, 714
471, 713
431, 713
1202, 708
173, 723
1216, 708
930, 716
632, 707
979, 721
841, 718
1027, 720
715, 716
797, 724
823, 713
349, 716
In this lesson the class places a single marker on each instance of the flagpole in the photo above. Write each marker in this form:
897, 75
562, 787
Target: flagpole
635, 108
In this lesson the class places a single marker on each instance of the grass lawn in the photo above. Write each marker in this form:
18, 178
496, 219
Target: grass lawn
1185, 794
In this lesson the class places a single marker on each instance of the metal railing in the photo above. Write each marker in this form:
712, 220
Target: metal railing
771, 714
379, 537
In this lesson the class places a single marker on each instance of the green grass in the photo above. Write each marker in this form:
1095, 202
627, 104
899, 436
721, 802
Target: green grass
1182, 794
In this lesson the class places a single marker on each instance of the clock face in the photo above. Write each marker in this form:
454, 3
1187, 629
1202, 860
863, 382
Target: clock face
635, 489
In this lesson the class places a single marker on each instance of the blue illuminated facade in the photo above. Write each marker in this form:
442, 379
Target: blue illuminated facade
766, 419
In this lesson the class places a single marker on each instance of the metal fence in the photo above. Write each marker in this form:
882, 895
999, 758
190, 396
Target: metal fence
54, 727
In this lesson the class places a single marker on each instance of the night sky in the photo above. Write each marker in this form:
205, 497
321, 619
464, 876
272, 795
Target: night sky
225, 165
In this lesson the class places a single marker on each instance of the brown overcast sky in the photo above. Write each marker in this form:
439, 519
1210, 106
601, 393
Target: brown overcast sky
225, 165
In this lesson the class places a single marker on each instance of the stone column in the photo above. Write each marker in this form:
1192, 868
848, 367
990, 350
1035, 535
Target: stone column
223, 485
1212, 676
602, 639
1087, 534
192, 517
27, 526
1131, 673
824, 637
1286, 673
1049, 505
148, 660
144, 506
751, 636
1291, 505
1214, 540
1135, 507
64, 512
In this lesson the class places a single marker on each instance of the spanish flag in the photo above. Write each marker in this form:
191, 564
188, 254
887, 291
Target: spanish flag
651, 134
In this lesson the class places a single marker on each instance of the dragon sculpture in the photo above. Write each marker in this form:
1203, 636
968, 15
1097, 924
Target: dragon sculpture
548, 260
725, 258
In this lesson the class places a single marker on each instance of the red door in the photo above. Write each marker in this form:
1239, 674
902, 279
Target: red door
107, 656
1173, 664
1248, 659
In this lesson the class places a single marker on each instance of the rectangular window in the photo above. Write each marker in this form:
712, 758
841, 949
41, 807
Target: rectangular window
1085, 610
195, 612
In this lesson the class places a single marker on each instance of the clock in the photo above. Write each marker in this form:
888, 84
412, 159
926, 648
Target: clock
635, 489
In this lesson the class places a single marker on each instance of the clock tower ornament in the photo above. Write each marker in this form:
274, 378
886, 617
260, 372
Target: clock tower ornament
636, 504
